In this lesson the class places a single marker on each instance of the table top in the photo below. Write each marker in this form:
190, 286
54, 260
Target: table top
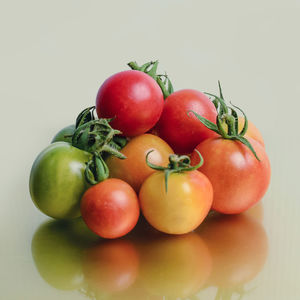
54, 57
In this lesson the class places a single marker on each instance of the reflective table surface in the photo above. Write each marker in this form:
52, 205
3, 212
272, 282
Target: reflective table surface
55, 55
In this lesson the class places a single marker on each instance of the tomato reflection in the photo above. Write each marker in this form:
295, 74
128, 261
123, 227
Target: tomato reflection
239, 247
111, 266
174, 266
57, 248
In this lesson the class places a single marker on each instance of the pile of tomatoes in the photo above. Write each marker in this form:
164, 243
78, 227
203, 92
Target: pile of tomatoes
119, 158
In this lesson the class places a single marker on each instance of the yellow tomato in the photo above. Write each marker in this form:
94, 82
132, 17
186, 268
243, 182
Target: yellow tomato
183, 207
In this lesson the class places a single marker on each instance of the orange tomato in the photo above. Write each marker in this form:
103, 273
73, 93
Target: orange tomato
252, 131
134, 169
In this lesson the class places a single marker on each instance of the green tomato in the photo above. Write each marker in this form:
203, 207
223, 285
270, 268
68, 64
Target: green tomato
57, 181
60, 136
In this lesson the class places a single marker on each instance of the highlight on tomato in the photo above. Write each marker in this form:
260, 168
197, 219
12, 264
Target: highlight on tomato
134, 169
110, 208
238, 167
176, 199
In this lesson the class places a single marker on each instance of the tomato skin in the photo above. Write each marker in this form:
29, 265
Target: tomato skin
182, 208
133, 98
239, 180
110, 208
60, 136
134, 169
181, 131
57, 180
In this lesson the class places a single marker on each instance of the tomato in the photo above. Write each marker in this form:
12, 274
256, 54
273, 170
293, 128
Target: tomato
133, 98
110, 208
182, 208
252, 131
239, 180
175, 266
239, 248
64, 135
134, 169
111, 266
57, 180
57, 253
181, 131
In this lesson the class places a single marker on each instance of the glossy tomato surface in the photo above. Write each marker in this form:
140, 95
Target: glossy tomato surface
133, 98
239, 180
182, 208
110, 208
57, 180
181, 131
134, 169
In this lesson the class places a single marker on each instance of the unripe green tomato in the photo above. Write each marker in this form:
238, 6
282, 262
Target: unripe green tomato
64, 135
57, 180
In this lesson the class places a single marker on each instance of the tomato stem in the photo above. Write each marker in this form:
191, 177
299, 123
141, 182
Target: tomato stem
177, 164
150, 69
227, 115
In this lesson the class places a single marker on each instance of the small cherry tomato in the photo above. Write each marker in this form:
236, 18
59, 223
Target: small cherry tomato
177, 203
110, 208
181, 132
134, 169
133, 99
238, 178
237, 165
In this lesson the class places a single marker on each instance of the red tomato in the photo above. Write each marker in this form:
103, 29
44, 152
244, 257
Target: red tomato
110, 208
181, 131
111, 266
134, 169
239, 180
133, 98
182, 208
239, 248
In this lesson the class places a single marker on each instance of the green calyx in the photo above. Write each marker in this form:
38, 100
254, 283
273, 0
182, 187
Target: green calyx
99, 138
96, 170
227, 121
150, 69
177, 164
